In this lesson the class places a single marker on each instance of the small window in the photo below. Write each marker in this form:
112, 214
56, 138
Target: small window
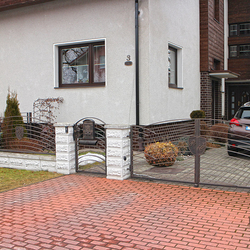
217, 10
172, 66
82, 65
233, 51
216, 64
245, 29
233, 30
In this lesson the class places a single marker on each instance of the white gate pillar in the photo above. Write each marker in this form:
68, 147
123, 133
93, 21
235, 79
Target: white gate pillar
118, 151
65, 148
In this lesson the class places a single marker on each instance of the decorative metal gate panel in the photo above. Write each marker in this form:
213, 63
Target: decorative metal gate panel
194, 151
161, 167
90, 145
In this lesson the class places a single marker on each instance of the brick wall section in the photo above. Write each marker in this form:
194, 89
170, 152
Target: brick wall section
218, 103
215, 35
211, 35
206, 94
203, 35
211, 48
239, 11
12, 4
240, 66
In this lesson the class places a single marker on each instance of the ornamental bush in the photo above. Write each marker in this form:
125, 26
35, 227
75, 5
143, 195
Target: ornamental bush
197, 114
161, 154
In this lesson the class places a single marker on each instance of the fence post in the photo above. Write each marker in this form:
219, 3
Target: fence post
197, 155
118, 151
65, 148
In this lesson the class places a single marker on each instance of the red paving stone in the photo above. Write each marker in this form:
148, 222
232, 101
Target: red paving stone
85, 212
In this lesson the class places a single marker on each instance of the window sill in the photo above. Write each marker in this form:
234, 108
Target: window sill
88, 85
174, 87
216, 20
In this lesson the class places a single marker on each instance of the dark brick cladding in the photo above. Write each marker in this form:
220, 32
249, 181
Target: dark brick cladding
239, 12
206, 97
211, 35
211, 48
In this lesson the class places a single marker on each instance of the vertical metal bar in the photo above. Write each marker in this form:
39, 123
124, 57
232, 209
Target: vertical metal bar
131, 153
29, 120
137, 89
76, 147
105, 138
197, 156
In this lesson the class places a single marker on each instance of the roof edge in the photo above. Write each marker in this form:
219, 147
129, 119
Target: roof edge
10, 4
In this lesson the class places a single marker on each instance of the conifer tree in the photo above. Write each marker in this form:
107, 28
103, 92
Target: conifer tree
12, 118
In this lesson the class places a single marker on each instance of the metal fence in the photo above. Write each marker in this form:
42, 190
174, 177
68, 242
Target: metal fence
25, 134
190, 151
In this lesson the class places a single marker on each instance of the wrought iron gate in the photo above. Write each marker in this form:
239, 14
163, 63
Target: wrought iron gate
90, 145
201, 153
142, 136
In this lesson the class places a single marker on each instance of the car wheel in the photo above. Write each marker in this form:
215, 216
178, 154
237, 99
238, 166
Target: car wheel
231, 151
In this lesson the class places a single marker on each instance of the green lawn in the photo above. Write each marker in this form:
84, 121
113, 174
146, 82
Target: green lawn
13, 178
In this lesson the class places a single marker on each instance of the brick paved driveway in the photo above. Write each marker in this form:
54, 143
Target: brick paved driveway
84, 212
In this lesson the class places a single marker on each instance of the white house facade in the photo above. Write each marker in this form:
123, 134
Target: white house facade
85, 52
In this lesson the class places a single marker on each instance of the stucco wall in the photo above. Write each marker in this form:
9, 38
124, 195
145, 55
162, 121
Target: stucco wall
177, 23
27, 57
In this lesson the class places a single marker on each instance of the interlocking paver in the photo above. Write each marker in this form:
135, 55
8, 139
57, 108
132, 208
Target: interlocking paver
86, 212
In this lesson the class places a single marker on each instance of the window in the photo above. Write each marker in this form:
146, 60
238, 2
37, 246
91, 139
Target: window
233, 29
216, 64
245, 29
216, 10
244, 50
172, 66
240, 29
82, 65
233, 51
239, 51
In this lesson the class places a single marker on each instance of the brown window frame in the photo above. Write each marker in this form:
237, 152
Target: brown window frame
238, 30
91, 82
238, 51
173, 85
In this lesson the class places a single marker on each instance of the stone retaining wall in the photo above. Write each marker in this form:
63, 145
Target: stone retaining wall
33, 162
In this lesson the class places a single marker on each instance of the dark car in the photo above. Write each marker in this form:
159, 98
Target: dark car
239, 131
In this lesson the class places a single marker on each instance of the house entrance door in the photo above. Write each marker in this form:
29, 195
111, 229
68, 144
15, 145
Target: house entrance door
237, 96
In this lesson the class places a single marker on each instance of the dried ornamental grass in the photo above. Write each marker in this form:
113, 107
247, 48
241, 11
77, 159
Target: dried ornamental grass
219, 132
161, 154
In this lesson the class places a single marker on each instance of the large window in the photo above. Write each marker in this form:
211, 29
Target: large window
82, 65
239, 51
172, 66
239, 29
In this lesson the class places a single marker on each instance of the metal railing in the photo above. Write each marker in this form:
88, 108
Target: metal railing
200, 153
26, 134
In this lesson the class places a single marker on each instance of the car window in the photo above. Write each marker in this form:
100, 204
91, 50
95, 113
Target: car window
245, 114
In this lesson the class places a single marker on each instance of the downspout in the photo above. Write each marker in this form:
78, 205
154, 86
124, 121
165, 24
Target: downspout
137, 90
